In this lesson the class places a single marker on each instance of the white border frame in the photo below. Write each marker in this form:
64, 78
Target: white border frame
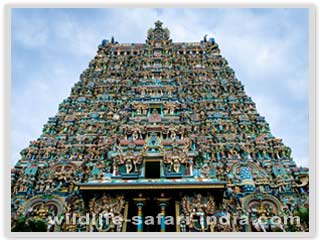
312, 124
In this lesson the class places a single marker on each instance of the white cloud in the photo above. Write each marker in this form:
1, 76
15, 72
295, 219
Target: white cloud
30, 32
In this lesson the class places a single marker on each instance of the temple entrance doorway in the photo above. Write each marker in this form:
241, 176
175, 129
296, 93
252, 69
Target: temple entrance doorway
152, 169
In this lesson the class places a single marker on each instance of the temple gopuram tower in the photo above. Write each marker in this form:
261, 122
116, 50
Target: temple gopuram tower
163, 129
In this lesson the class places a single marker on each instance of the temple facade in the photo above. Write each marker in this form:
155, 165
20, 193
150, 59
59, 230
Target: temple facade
158, 129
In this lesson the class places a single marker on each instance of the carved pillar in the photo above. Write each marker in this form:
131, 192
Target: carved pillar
163, 203
163, 214
140, 217
140, 203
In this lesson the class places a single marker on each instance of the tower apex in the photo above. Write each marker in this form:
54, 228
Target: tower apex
158, 34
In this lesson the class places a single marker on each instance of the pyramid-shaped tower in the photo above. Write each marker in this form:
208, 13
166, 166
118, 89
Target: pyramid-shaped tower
160, 129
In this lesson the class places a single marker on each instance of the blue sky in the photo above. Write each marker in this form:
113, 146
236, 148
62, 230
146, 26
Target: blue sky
267, 48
